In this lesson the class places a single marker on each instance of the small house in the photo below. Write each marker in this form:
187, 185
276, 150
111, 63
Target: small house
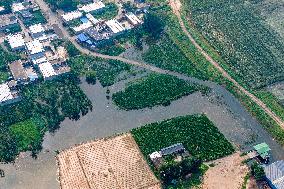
262, 150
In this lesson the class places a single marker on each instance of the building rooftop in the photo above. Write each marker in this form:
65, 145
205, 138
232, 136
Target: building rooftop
133, 18
16, 41
92, 19
275, 173
16, 7
71, 15
7, 19
262, 149
39, 60
37, 28
18, 71
2, 8
34, 47
92, 6
47, 70
5, 93
172, 149
82, 27
115, 26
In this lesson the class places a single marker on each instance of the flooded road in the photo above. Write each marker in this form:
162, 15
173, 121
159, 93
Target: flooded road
106, 119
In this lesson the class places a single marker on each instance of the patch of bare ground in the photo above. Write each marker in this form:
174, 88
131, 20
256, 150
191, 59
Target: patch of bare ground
227, 173
112, 163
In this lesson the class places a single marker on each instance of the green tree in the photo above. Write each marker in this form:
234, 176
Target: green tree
153, 25
257, 171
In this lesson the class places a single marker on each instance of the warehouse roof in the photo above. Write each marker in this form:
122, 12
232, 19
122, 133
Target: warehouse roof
275, 173
82, 37
133, 18
71, 15
94, 34
37, 28
5, 93
47, 70
34, 47
16, 41
115, 26
92, 6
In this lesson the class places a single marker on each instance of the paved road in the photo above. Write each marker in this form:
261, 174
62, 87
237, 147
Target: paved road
176, 6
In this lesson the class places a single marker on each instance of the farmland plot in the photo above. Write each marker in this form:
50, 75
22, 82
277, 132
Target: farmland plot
252, 49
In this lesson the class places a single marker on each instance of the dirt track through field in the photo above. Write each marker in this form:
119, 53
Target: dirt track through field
53, 19
176, 6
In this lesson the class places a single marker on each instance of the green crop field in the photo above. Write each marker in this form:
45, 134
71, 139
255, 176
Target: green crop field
199, 135
250, 47
156, 89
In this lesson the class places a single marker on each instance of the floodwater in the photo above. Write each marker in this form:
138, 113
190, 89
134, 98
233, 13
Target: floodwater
106, 119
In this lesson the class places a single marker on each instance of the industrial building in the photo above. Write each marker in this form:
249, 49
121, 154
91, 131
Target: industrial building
95, 6
47, 70
275, 174
16, 41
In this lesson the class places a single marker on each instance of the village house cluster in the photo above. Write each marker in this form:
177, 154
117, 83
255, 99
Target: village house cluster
92, 32
39, 57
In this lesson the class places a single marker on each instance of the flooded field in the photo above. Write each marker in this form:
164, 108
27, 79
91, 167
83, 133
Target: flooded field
106, 119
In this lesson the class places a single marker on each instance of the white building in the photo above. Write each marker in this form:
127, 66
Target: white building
92, 7
67, 17
47, 70
35, 49
36, 30
2, 9
133, 19
17, 7
82, 27
16, 41
5, 93
92, 19
115, 26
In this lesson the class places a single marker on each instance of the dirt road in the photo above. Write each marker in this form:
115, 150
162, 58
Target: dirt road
176, 6
54, 19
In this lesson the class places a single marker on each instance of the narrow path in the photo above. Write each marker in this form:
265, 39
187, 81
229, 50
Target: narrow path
176, 6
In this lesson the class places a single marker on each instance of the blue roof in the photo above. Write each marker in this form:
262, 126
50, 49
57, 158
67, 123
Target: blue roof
82, 37
84, 19
89, 42
275, 173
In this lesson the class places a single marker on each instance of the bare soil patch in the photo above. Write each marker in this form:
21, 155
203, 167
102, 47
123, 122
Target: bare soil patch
228, 173
112, 163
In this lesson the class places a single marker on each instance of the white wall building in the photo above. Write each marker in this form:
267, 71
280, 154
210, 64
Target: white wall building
115, 26
92, 7
82, 27
35, 49
36, 30
67, 17
47, 70
16, 41
133, 19
5, 93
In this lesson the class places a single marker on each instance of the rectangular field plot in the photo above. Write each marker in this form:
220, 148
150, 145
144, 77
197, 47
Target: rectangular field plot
113, 163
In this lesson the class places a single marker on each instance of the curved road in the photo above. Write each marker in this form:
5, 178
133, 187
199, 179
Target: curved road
176, 5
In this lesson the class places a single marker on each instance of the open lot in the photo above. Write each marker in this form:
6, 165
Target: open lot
227, 171
111, 163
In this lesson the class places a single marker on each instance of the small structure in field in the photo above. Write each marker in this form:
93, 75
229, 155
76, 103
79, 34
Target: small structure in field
275, 174
263, 151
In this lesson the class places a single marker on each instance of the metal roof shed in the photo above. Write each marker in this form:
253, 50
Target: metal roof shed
275, 174
262, 149
172, 149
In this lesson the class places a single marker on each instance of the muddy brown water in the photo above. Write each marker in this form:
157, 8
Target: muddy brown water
106, 119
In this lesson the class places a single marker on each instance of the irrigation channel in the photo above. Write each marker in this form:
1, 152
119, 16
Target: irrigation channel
106, 119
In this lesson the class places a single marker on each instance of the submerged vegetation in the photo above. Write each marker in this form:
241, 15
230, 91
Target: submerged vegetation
156, 89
